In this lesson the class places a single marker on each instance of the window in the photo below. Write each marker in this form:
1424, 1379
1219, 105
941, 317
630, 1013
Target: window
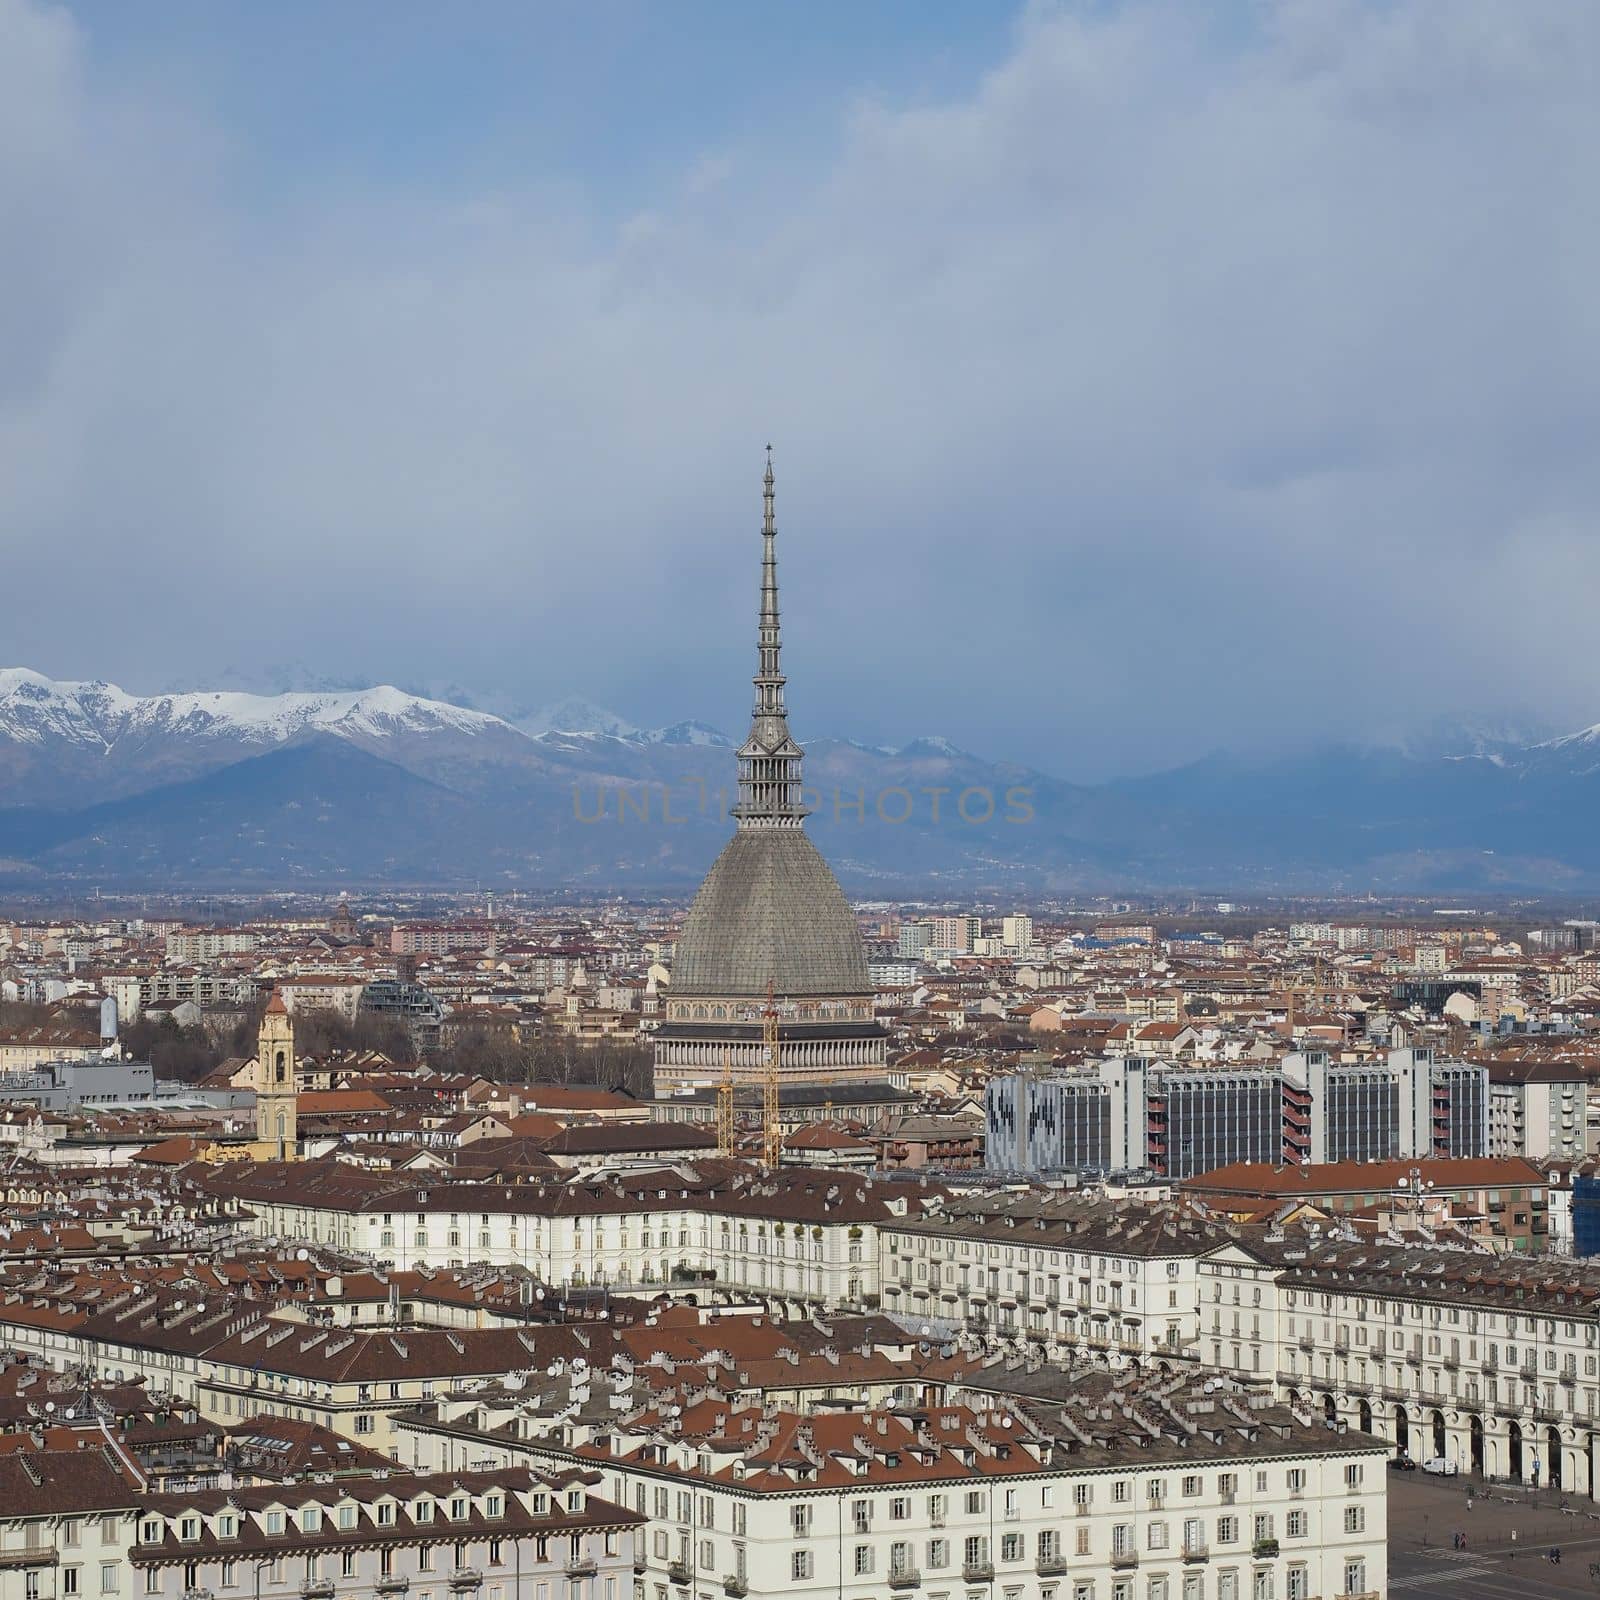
1193, 1483
311, 1519
800, 1565
1011, 1547
230, 1574
900, 1508
386, 1513
1157, 1536
1121, 1492
1263, 1525
152, 1580
1355, 1576
799, 1518
347, 1563
938, 1553
274, 1522
1295, 1524
1352, 1473
1355, 1519
69, 1581
974, 1502
1227, 1530
863, 1560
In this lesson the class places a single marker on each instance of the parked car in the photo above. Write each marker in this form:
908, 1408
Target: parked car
1402, 1463
1440, 1467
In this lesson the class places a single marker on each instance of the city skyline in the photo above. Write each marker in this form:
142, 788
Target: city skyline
1252, 337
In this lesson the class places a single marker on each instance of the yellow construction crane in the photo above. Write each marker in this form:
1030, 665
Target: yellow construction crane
771, 1129
725, 1107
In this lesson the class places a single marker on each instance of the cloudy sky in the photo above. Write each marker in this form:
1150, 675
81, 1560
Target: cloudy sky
1144, 378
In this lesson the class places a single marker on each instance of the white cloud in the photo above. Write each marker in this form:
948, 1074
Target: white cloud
1174, 386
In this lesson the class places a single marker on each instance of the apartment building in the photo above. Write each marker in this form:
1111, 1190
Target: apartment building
1491, 1363
1092, 1490
806, 1236
1510, 1196
461, 1536
1538, 1109
189, 945
1087, 1276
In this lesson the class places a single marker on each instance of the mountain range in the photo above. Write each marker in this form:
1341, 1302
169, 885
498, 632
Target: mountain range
381, 786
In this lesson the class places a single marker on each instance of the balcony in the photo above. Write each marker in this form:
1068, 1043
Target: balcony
466, 1578
736, 1584
392, 1584
678, 1572
581, 1566
1197, 1552
977, 1572
904, 1577
197, 1594
1052, 1566
1226, 1497
1264, 1549
38, 1555
317, 1589
1121, 1560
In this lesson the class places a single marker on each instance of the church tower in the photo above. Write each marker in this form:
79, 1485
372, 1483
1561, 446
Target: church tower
276, 1133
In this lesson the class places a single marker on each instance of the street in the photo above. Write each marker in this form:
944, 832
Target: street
1425, 1514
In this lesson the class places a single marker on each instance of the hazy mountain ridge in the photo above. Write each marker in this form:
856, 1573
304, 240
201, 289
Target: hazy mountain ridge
380, 785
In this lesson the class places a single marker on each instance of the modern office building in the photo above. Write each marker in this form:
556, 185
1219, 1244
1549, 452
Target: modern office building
1138, 1114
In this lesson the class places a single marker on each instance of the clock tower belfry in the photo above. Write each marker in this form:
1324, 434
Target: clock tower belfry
277, 1136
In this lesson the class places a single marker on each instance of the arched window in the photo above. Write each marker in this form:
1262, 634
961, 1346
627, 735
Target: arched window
280, 1066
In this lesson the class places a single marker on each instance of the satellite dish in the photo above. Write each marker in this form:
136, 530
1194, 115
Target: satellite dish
49, 1405
302, 1255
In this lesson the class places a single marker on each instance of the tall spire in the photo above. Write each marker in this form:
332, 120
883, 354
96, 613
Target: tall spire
769, 759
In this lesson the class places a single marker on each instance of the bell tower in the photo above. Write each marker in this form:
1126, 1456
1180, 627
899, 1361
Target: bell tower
276, 1133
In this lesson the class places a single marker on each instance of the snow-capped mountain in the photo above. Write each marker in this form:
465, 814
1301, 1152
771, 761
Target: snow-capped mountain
65, 743
38, 710
576, 715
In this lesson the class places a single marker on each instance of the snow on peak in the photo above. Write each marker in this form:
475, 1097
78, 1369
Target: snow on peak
35, 709
577, 715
